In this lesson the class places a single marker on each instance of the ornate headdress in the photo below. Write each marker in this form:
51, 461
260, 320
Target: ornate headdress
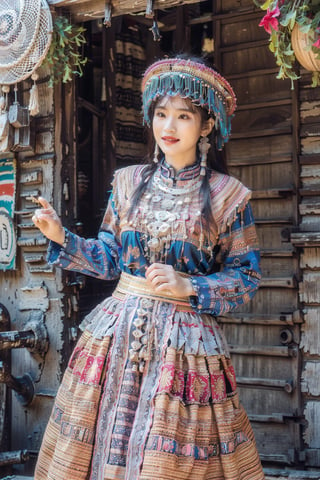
189, 79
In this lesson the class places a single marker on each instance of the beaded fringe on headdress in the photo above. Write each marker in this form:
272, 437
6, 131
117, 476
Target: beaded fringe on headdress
188, 86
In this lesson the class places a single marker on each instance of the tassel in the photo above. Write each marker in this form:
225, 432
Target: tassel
155, 31
149, 9
34, 96
107, 15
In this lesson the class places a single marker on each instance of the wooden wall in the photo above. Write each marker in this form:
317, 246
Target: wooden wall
34, 291
307, 242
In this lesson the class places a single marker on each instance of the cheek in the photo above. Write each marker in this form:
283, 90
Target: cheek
156, 127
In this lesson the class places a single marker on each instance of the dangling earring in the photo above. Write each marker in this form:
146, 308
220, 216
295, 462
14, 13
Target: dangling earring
156, 153
204, 146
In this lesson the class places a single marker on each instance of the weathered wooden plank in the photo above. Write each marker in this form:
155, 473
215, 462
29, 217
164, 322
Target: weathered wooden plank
310, 207
292, 474
310, 145
246, 30
34, 296
252, 89
309, 288
308, 239
310, 258
310, 331
310, 378
311, 432
310, 130
35, 240
272, 208
310, 191
309, 111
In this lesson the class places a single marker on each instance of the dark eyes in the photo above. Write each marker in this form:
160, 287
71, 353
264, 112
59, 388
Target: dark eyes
182, 116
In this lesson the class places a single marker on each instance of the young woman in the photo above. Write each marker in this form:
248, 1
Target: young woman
150, 391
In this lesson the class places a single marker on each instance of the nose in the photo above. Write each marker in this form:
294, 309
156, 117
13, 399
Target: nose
170, 124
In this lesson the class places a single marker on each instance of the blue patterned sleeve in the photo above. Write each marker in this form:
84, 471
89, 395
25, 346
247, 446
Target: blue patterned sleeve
239, 278
95, 257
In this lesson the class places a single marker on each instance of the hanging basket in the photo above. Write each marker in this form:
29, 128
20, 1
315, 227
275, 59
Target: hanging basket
302, 50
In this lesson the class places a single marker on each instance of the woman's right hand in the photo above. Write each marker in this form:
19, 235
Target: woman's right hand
48, 222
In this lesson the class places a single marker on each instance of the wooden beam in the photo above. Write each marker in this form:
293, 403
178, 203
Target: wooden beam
273, 252
309, 159
278, 282
264, 350
273, 418
258, 105
286, 385
281, 319
272, 193
266, 132
274, 221
285, 158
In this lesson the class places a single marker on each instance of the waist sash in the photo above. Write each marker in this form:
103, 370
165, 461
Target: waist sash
138, 286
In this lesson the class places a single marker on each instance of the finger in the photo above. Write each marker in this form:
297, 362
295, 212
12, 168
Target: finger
44, 203
156, 276
162, 287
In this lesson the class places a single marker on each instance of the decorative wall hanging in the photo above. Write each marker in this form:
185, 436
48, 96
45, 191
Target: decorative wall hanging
25, 37
7, 202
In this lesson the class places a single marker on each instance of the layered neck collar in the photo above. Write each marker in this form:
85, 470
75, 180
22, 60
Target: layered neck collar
167, 172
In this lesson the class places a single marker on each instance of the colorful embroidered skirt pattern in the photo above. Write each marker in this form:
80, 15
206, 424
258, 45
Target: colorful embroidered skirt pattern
179, 419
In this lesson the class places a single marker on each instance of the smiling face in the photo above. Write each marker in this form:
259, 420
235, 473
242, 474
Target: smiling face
177, 126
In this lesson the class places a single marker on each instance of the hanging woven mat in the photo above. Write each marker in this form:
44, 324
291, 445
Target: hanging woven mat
25, 36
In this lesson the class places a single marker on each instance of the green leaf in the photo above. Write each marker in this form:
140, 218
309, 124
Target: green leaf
305, 28
266, 5
289, 18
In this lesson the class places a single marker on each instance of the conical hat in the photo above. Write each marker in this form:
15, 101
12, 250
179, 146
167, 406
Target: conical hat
25, 36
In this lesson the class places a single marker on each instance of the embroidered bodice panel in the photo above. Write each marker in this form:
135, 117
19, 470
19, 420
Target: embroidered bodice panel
167, 227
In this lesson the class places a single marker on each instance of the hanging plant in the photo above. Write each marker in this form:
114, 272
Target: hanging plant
281, 19
64, 57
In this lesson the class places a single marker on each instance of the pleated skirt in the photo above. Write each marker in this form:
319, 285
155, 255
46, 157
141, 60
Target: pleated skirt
149, 394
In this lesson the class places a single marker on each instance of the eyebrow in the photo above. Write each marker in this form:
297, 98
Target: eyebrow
163, 107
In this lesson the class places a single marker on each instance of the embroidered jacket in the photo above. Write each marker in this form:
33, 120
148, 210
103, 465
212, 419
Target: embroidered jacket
167, 226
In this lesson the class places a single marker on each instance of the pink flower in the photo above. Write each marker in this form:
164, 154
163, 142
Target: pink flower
317, 43
270, 20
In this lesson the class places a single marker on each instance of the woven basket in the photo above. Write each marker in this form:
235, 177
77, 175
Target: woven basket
301, 46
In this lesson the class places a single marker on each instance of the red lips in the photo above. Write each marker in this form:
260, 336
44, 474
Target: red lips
170, 139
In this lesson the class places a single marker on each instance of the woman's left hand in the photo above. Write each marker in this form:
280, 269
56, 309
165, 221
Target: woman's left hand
164, 277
